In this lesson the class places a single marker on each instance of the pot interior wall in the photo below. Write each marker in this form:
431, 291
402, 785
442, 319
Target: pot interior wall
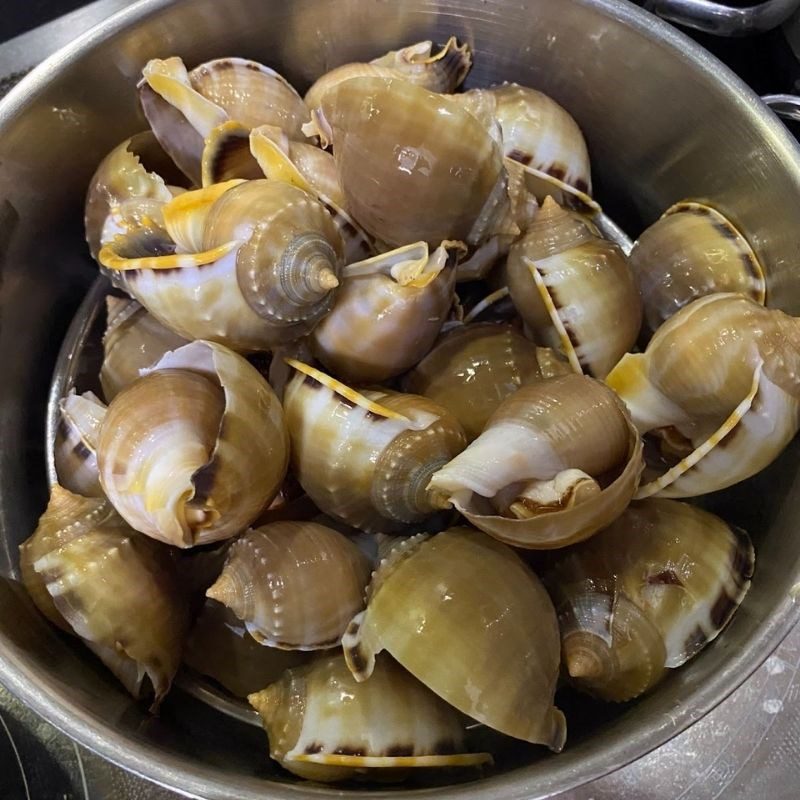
660, 127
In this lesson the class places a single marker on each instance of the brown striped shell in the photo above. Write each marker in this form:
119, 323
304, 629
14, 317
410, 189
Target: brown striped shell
75, 447
324, 726
193, 451
465, 616
719, 380
647, 594
574, 290
295, 585
558, 460
366, 457
90, 573
693, 250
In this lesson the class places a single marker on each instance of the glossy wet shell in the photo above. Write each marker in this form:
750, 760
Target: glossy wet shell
473, 369
560, 438
117, 590
220, 647
134, 339
693, 250
295, 585
366, 458
325, 726
270, 276
497, 621
675, 572
192, 452
574, 290
722, 373
542, 136
379, 327
417, 166
75, 447
440, 71
183, 107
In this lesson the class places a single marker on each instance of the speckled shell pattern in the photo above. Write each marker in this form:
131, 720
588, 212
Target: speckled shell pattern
723, 374
323, 725
497, 620
267, 242
194, 450
366, 458
683, 569
295, 585
569, 425
114, 588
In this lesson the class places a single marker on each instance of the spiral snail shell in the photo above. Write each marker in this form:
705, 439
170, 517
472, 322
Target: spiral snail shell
295, 585
475, 367
693, 250
647, 594
184, 107
720, 380
388, 312
558, 460
90, 573
192, 452
458, 610
260, 258
75, 447
324, 726
366, 458
418, 166
574, 290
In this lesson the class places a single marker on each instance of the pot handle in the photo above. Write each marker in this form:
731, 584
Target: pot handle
786, 106
722, 20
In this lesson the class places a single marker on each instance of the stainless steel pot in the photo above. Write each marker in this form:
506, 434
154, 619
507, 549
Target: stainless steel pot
664, 121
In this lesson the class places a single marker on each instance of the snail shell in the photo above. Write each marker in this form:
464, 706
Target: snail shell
574, 290
124, 190
219, 646
546, 140
497, 621
295, 585
314, 171
192, 452
693, 250
388, 312
366, 458
475, 367
134, 340
324, 726
183, 108
720, 376
75, 448
558, 460
88, 572
417, 166
442, 71
647, 593
259, 259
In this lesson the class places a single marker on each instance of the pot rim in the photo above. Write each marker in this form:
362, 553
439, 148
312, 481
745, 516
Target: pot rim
193, 779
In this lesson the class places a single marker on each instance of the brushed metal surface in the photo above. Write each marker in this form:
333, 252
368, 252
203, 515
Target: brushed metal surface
722, 19
664, 121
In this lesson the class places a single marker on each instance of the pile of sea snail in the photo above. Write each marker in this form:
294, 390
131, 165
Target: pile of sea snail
371, 626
